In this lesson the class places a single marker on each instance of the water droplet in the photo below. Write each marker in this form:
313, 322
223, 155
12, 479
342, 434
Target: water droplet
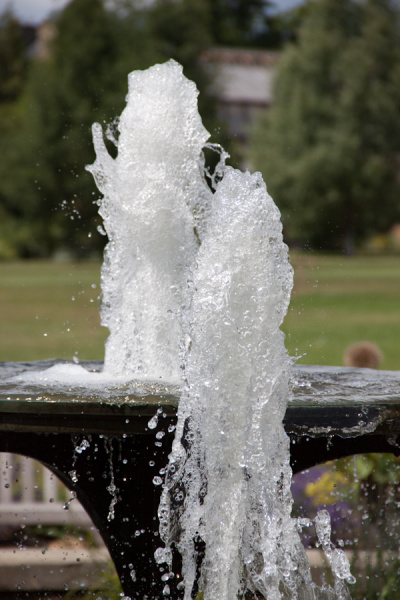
68, 502
73, 475
82, 446
152, 424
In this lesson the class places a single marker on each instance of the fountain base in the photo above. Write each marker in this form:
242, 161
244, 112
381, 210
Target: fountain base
334, 412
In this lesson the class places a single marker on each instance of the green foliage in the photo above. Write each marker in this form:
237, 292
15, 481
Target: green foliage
47, 107
329, 146
13, 73
13, 60
236, 22
48, 142
181, 30
47, 199
75, 87
375, 479
362, 493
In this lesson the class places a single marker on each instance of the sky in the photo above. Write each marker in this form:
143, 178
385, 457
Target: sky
32, 11
36, 11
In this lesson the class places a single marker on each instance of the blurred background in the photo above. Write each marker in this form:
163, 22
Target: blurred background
308, 92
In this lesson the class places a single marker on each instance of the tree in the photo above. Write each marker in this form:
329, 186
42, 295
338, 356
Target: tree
83, 80
98, 43
13, 73
13, 60
330, 146
237, 22
181, 30
45, 131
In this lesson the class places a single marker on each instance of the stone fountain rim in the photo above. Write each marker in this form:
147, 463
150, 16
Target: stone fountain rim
317, 406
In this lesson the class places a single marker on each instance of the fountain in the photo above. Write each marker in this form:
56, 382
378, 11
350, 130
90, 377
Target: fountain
154, 210
232, 478
195, 286
223, 467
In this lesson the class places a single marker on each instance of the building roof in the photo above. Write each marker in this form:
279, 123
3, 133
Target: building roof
245, 84
242, 76
241, 56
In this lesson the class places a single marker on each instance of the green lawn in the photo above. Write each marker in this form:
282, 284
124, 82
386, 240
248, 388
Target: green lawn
50, 310
336, 301
340, 300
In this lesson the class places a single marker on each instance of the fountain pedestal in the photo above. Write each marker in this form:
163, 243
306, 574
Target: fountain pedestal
333, 413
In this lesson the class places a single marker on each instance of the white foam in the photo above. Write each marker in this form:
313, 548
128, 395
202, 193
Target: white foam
154, 208
68, 374
229, 474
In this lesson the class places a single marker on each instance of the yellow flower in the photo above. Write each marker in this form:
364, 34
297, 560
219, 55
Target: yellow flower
325, 489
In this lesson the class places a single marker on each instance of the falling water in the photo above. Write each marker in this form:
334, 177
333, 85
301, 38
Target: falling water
195, 286
229, 476
203, 280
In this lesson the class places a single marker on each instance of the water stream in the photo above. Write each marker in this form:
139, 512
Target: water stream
229, 476
154, 208
195, 286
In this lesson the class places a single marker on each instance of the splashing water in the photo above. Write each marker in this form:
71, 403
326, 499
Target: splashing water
229, 476
204, 279
154, 208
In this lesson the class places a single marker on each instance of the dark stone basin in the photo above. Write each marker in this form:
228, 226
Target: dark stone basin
333, 412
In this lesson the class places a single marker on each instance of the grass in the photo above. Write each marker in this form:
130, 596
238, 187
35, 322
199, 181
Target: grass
340, 300
50, 310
